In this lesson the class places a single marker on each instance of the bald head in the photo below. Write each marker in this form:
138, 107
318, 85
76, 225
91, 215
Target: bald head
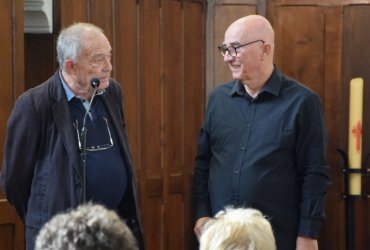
253, 27
252, 65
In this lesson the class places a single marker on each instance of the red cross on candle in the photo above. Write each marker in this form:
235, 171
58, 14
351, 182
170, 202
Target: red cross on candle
357, 132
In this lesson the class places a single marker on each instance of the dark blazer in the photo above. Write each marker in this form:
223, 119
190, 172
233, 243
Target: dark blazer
41, 166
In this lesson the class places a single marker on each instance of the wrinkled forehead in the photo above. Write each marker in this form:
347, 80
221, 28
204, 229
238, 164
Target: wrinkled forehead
236, 34
95, 43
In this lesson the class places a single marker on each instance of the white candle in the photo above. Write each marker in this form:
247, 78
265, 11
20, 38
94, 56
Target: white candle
355, 134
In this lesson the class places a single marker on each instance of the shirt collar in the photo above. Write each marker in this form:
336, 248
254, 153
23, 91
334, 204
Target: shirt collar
69, 92
238, 89
272, 85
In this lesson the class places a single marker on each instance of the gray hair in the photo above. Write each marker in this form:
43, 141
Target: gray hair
238, 229
69, 42
88, 227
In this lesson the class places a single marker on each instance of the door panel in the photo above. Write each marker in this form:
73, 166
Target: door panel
11, 79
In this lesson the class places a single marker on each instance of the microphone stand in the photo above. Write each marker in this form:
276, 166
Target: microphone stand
83, 146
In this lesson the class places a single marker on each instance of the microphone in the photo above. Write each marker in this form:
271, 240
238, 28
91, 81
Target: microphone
95, 82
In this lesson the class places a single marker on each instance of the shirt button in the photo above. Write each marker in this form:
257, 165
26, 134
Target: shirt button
242, 148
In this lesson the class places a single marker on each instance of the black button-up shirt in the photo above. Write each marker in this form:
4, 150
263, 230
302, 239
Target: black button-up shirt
267, 152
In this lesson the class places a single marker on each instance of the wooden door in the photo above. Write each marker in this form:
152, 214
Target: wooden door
11, 79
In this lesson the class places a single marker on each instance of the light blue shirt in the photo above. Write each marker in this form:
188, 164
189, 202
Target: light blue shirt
70, 94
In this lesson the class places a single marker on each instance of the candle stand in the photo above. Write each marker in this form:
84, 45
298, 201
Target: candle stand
351, 198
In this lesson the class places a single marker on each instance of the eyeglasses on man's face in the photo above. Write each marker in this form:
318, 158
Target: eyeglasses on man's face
233, 50
100, 147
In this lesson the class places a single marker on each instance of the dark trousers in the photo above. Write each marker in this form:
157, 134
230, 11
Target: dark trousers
30, 235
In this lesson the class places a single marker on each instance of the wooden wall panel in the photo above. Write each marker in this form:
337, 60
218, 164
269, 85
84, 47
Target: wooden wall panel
323, 44
6, 236
150, 113
12, 85
356, 52
126, 68
164, 75
333, 228
11, 228
72, 11
100, 12
11, 60
43, 62
150, 87
172, 123
303, 52
6, 76
303, 47
356, 35
18, 49
172, 85
194, 102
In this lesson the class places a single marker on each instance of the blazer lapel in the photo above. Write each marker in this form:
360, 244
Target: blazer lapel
114, 111
63, 121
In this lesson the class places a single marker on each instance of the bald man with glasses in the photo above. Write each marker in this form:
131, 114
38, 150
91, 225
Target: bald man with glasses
263, 142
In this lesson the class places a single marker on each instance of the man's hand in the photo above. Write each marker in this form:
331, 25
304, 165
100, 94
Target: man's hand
199, 226
304, 243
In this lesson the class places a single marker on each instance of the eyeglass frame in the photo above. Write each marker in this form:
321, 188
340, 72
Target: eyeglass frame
98, 147
223, 50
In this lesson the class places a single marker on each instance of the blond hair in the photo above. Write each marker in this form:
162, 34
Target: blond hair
238, 229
